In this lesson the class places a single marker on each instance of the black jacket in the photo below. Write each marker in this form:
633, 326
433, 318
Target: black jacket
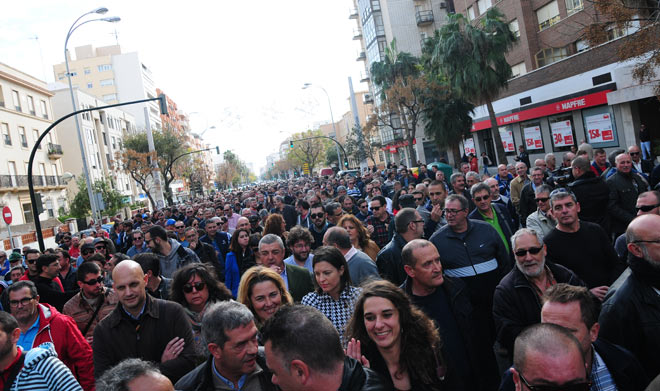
503, 218
358, 378
201, 378
527, 204
593, 194
50, 293
624, 190
206, 254
516, 304
289, 214
390, 265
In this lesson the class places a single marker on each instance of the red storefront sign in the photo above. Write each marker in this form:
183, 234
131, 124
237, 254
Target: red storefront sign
581, 102
393, 147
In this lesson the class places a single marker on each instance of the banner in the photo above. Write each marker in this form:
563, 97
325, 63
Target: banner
533, 137
599, 128
507, 139
562, 133
468, 146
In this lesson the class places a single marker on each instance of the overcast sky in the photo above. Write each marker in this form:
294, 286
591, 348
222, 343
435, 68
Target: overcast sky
240, 64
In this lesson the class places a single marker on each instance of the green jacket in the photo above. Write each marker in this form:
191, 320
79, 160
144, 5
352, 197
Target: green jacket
299, 280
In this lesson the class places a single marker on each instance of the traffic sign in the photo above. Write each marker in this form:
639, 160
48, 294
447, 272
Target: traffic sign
6, 215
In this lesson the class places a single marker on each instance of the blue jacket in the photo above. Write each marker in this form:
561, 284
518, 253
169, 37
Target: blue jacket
232, 275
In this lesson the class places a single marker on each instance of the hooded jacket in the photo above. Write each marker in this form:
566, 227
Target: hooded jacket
178, 257
43, 371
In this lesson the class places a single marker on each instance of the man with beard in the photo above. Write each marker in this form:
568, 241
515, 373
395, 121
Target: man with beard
170, 252
94, 301
299, 242
629, 317
437, 193
236, 362
319, 224
517, 299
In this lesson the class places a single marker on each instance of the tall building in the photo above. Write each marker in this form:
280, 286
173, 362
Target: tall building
25, 113
410, 23
113, 76
102, 131
563, 92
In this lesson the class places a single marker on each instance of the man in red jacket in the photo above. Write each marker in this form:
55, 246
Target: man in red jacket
41, 323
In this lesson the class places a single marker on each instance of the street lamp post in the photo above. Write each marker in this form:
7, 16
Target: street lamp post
306, 86
90, 192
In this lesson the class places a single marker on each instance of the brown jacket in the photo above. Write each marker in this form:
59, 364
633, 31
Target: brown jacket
79, 309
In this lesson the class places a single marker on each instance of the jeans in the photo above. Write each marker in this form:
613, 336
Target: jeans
646, 150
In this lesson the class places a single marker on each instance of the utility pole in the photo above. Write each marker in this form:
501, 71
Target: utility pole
155, 171
358, 128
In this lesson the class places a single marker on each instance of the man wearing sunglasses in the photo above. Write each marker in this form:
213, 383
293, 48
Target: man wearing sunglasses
94, 301
643, 167
527, 204
591, 192
139, 245
517, 296
576, 309
542, 221
319, 224
493, 214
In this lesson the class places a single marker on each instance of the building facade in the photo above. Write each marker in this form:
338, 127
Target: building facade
25, 113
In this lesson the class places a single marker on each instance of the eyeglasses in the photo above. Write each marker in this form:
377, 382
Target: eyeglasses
634, 153
532, 250
541, 199
93, 282
453, 211
179, 226
100, 248
363, 206
585, 386
22, 302
418, 199
316, 215
138, 238
83, 252
479, 199
198, 286
376, 207
646, 208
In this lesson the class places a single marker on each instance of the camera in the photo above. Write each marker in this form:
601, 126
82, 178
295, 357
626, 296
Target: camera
561, 177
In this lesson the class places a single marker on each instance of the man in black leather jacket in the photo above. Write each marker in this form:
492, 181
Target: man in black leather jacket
591, 192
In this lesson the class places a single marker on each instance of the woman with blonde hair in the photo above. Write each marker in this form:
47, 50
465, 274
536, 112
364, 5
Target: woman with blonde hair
359, 235
263, 291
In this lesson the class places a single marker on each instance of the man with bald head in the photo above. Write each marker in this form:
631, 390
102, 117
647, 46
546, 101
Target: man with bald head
625, 186
143, 327
630, 315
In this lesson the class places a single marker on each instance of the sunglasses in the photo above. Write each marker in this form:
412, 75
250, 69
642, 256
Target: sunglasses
532, 250
316, 215
363, 206
179, 226
84, 252
479, 199
419, 198
585, 386
100, 248
95, 281
541, 199
198, 286
31, 261
634, 153
646, 208
376, 207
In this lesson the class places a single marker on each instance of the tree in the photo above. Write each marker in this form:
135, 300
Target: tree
308, 148
80, 206
471, 57
370, 142
137, 165
232, 171
639, 19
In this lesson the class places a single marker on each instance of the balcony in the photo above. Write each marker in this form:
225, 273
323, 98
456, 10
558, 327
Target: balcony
353, 14
357, 34
19, 181
424, 17
54, 151
361, 56
364, 76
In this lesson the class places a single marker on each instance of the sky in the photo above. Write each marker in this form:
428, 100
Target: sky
237, 65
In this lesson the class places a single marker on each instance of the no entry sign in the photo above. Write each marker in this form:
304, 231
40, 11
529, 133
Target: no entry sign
6, 215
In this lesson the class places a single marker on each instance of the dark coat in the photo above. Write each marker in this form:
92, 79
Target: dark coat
117, 338
624, 190
516, 304
206, 254
300, 281
503, 218
289, 214
389, 263
527, 205
593, 194
355, 377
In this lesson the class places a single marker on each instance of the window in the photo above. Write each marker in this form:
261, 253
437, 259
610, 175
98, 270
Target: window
581, 46
2, 98
562, 132
550, 55
5, 134
30, 101
548, 15
90, 85
87, 71
483, 5
49, 207
44, 109
515, 29
518, 69
16, 99
12, 173
107, 82
90, 137
470, 12
105, 138
107, 158
27, 213
109, 97
112, 139
104, 67
573, 6
35, 133
22, 137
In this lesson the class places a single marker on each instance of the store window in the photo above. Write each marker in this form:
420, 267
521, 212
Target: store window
506, 134
548, 15
532, 134
600, 127
562, 132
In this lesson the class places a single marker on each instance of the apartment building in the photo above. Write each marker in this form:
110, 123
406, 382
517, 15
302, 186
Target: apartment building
410, 23
563, 92
25, 113
113, 76
102, 131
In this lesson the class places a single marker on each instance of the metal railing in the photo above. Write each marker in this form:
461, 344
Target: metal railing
22, 180
424, 17
54, 149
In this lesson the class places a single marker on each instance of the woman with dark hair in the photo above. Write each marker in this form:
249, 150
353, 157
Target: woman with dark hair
263, 291
359, 235
411, 360
395, 200
195, 287
275, 224
238, 260
335, 295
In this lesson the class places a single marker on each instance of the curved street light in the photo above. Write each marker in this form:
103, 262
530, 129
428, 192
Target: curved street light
74, 26
306, 86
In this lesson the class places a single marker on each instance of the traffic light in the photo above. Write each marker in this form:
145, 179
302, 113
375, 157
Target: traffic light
291, 144
346, 163
162, 102
217, 150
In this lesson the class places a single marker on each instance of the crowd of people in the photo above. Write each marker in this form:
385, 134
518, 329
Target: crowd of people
542, 277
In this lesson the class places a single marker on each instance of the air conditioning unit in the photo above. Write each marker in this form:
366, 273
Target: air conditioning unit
367, 98
443, 5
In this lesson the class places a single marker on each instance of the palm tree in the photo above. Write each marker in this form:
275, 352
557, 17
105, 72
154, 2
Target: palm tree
472, 59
